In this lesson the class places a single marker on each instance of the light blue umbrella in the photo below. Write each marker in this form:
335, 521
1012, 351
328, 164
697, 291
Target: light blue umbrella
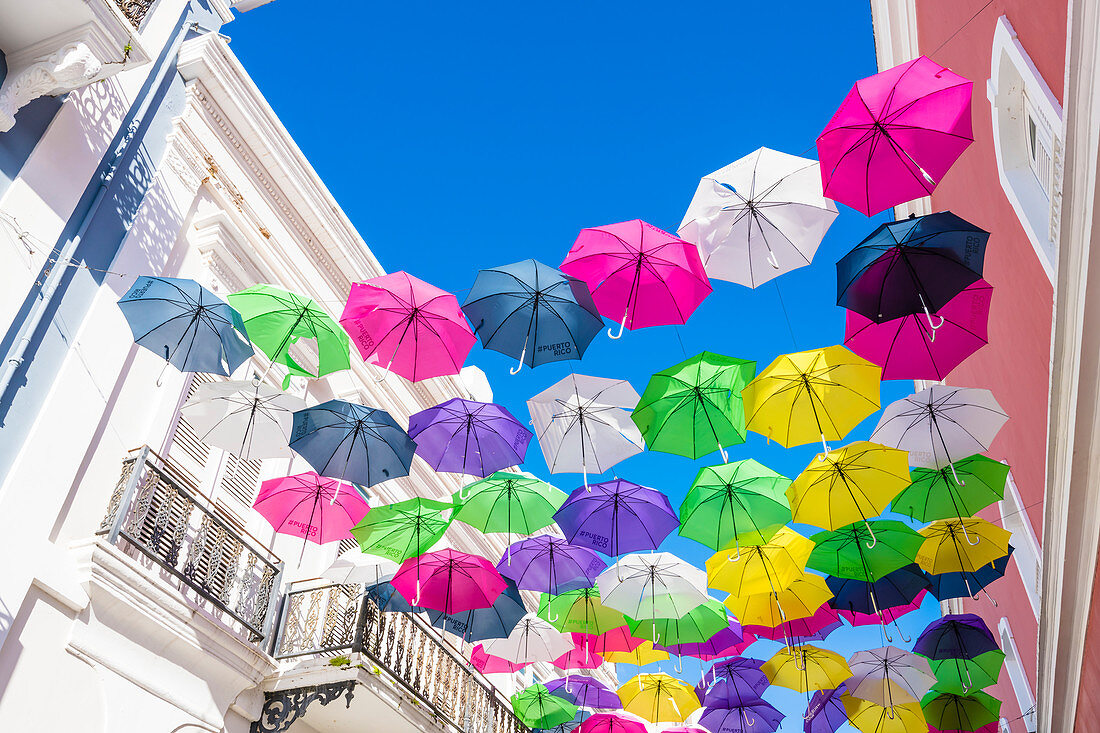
352, 442
185, 324
532, 312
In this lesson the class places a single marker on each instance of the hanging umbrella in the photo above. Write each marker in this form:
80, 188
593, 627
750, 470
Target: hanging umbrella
585, 692
959, 585
652, 586
825, 712
645, 653
766, 568
958, 712
817, 627
740, 503
802, 397
743, 671
387, 599
463, 436
867, 717
751, 716
355, 568
801, 599
402, 530
186, 325
934, 494
277, 319
583, 424
486, 663
536, 707
449, 581
961, 545
580, 656
616, 517
479, 624
886, 614
532, 640
731, 692
618, 639
310, 507
848, 484
694, 408
570, 725
639, 275
658, 698
848, 552
889, 676
895, 135
805, 667
532, 312
961, 676
249, 419
612, 723
955, 636
713, 647
686, 729
908, 347
408, 326
759, 217
348, 441
696, 626
580, 611
508, 502
896, 588
550, 565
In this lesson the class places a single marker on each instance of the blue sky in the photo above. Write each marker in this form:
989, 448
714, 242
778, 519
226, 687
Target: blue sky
461, 136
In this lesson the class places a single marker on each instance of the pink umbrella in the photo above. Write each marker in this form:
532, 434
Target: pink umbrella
638, 274
449, 581
685, 729
824, 618
611, 723
888, 614
908, 348
317, 509
993, 727
486, 663
895, 135
410, 327
580, 656
617, 639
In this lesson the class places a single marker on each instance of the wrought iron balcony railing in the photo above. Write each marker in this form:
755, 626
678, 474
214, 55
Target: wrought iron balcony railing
134, 10
156, 514
329, 619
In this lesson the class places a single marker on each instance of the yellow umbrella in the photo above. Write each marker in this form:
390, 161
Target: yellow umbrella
819, 394
848, 484
658, 698
871, 718
806, 667
961, 545
642, 655
767, 568
801, 600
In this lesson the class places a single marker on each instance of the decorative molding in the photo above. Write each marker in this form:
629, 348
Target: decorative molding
68, 68
284, 707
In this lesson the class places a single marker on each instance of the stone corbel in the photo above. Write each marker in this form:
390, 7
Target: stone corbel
66, 69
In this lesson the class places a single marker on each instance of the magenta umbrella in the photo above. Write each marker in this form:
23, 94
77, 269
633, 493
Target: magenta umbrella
895, 135
612, 723
908, 348
580, 656
449, 581
639, 275
823, 622
306, 505
885, 615
408, 326
486, 663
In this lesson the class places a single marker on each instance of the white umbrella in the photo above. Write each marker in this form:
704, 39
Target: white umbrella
889, 676
940, 425
354, 567
758, 217
653, 585
532, 640
249, 419
583, 424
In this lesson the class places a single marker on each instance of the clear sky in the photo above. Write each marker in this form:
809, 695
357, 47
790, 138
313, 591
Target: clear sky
461, 136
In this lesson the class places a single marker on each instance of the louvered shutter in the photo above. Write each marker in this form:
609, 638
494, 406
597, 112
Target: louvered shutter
237, 488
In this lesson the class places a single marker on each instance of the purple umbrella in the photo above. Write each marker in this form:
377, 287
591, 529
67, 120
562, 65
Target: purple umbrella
742, 669
752, 717
731, 693
723, 639
616, 517
463, 436
587, 692
550, 565
825, 712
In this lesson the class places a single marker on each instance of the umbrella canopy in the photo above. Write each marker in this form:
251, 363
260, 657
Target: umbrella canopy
387, 599
402, 530
740, 503
889, 676
743, 671
508, 502
934, 493
639, 275
962, 584
658, 698
186, 325
311, 507
580, 611
895, 135
867, 717
276, 319
908, 347
652, 586
355, 568
580, 656
801, 599
817, 627
896, 588
479, 624
695, 407
570, 725
825, 712
713, 647
884, 614
766, 568
583, 424
645, 653
961, 545
463, 436
732, 692
956, 636
349, 441
805, 667
584, 691
532, 312
694, 627
449, 581
532, 640
486, 663
759, 217
962, 676
249, 419
616, 517
407, 326
538, 708
751, 716
617, 639
958, 712
848, 484
865, 550
611, 723
550, 565
819, 394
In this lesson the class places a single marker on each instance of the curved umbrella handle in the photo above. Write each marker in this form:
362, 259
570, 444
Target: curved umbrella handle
825, 448
772, 260
955, 475
967, 535
522, 355
874, 539
725, 458
416, 600
622, 326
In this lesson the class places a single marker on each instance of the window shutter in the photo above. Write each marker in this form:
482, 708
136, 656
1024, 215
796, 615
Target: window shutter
237, 488
189, 455
346, 544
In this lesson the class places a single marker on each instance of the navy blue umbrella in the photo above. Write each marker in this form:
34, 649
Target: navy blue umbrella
897, 588
532, 312
960, 585
911, 266
363, 445
185, 324
958, 636
494, 622
388, 600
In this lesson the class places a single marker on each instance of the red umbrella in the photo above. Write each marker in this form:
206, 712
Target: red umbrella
449, 581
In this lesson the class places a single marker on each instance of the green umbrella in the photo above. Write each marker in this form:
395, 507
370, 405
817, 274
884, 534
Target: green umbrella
406, 529
276, 319
508, 502
694, 408
961, 676
946, 711
580, 611
537, 707
694, 627
741, 503
935, 494
861, 553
